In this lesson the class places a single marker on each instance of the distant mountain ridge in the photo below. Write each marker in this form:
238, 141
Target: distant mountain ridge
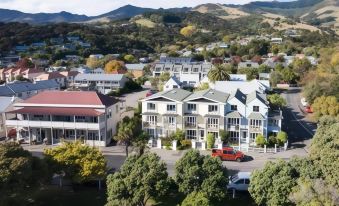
7, 15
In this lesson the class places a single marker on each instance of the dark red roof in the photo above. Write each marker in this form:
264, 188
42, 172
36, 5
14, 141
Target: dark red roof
58, 111
72, 98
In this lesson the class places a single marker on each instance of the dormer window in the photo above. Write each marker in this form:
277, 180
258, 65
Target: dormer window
255, 108
234, 107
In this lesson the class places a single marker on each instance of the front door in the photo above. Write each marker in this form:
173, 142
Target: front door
244, 136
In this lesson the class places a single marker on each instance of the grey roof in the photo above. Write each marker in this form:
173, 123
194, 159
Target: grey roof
233, 114
256, 115
238, 95
135, 66
4, 103
256, 95
18, 87
212, 116
173, 94
210, 94
98, 77
175, 80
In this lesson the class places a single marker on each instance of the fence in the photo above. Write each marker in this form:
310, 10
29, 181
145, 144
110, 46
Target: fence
275, 149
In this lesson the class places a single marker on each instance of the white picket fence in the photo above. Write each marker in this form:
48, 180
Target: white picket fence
275, 149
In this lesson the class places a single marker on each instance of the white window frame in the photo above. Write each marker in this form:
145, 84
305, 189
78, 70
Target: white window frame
213, 108
171, 108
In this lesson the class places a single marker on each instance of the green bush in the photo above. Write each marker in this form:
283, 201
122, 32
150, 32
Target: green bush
260, 140
272, 140
281, 138
210, 140
185, 144
224, 136
166, 141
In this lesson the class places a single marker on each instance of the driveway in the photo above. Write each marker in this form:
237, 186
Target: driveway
299, 129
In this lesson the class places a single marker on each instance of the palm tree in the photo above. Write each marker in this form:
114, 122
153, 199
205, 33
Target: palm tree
218, 73
125, 133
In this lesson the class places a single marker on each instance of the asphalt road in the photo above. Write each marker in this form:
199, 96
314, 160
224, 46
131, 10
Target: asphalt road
300, 130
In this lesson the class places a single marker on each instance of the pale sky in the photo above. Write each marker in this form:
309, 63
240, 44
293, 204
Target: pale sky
96, 7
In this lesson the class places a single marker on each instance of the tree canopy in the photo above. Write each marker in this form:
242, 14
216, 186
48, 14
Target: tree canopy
79, 162
325, 106
198, 173
218, 73
139, 179
114, 66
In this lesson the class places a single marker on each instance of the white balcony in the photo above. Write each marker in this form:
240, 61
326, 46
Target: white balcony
50, 124
232, 127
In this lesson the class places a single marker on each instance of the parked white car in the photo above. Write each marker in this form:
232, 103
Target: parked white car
304, 102
239, 182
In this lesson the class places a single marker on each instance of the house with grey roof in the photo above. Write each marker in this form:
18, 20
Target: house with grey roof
5, 103
24, 90
243, 116
103, 83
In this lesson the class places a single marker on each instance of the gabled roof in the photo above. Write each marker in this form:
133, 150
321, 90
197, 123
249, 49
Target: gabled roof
135, 66
210, 94
51, 75
239, 96
256, 115
233, 114
4, 103
18, 87
256, 95
99, 77
174, 81
71, 98
173, 94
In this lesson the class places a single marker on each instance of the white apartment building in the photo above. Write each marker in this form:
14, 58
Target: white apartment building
209, 111
189, 74
103, 83
51, 116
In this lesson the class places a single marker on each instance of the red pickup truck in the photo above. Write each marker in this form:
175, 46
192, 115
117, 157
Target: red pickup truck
228, 153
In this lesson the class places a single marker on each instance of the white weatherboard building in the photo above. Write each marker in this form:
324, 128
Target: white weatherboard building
189, 74
209, 111
103, 83
51, 116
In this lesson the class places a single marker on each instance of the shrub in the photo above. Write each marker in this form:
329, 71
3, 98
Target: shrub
185, 144
210, 140
281, 138
166, 141
260, 140
224, 136
272, 140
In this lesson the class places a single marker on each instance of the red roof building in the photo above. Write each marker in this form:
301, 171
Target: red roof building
54, 116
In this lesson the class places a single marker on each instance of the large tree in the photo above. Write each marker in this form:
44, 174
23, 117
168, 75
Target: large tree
218, 73
78, 162
205, 174
325, 106
115, 66
139, 180
324, 149
19, 170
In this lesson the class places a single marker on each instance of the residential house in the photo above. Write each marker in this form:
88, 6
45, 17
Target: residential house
24, 90
175, 60
238, 77
207, 112
56, 76
103, 83
53, 116
136, 69
189, 74
69, 75
248, 64
10, 74
98, 71
96, 56
5, 103
245, 87
172, 83
21, 48
276, 40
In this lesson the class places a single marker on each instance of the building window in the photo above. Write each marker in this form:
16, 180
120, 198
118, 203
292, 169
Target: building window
234, 136
152, 119
234, 107
109, 113
150, 106
171, 120
190, 121
255, 123
191, 134
212, 108
191, 107
253, 136
171, 107
255, 108
233, 121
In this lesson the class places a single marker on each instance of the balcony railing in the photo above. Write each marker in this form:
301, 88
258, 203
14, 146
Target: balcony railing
212, 126
232, 127
255, 128
50, 124
190, 124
